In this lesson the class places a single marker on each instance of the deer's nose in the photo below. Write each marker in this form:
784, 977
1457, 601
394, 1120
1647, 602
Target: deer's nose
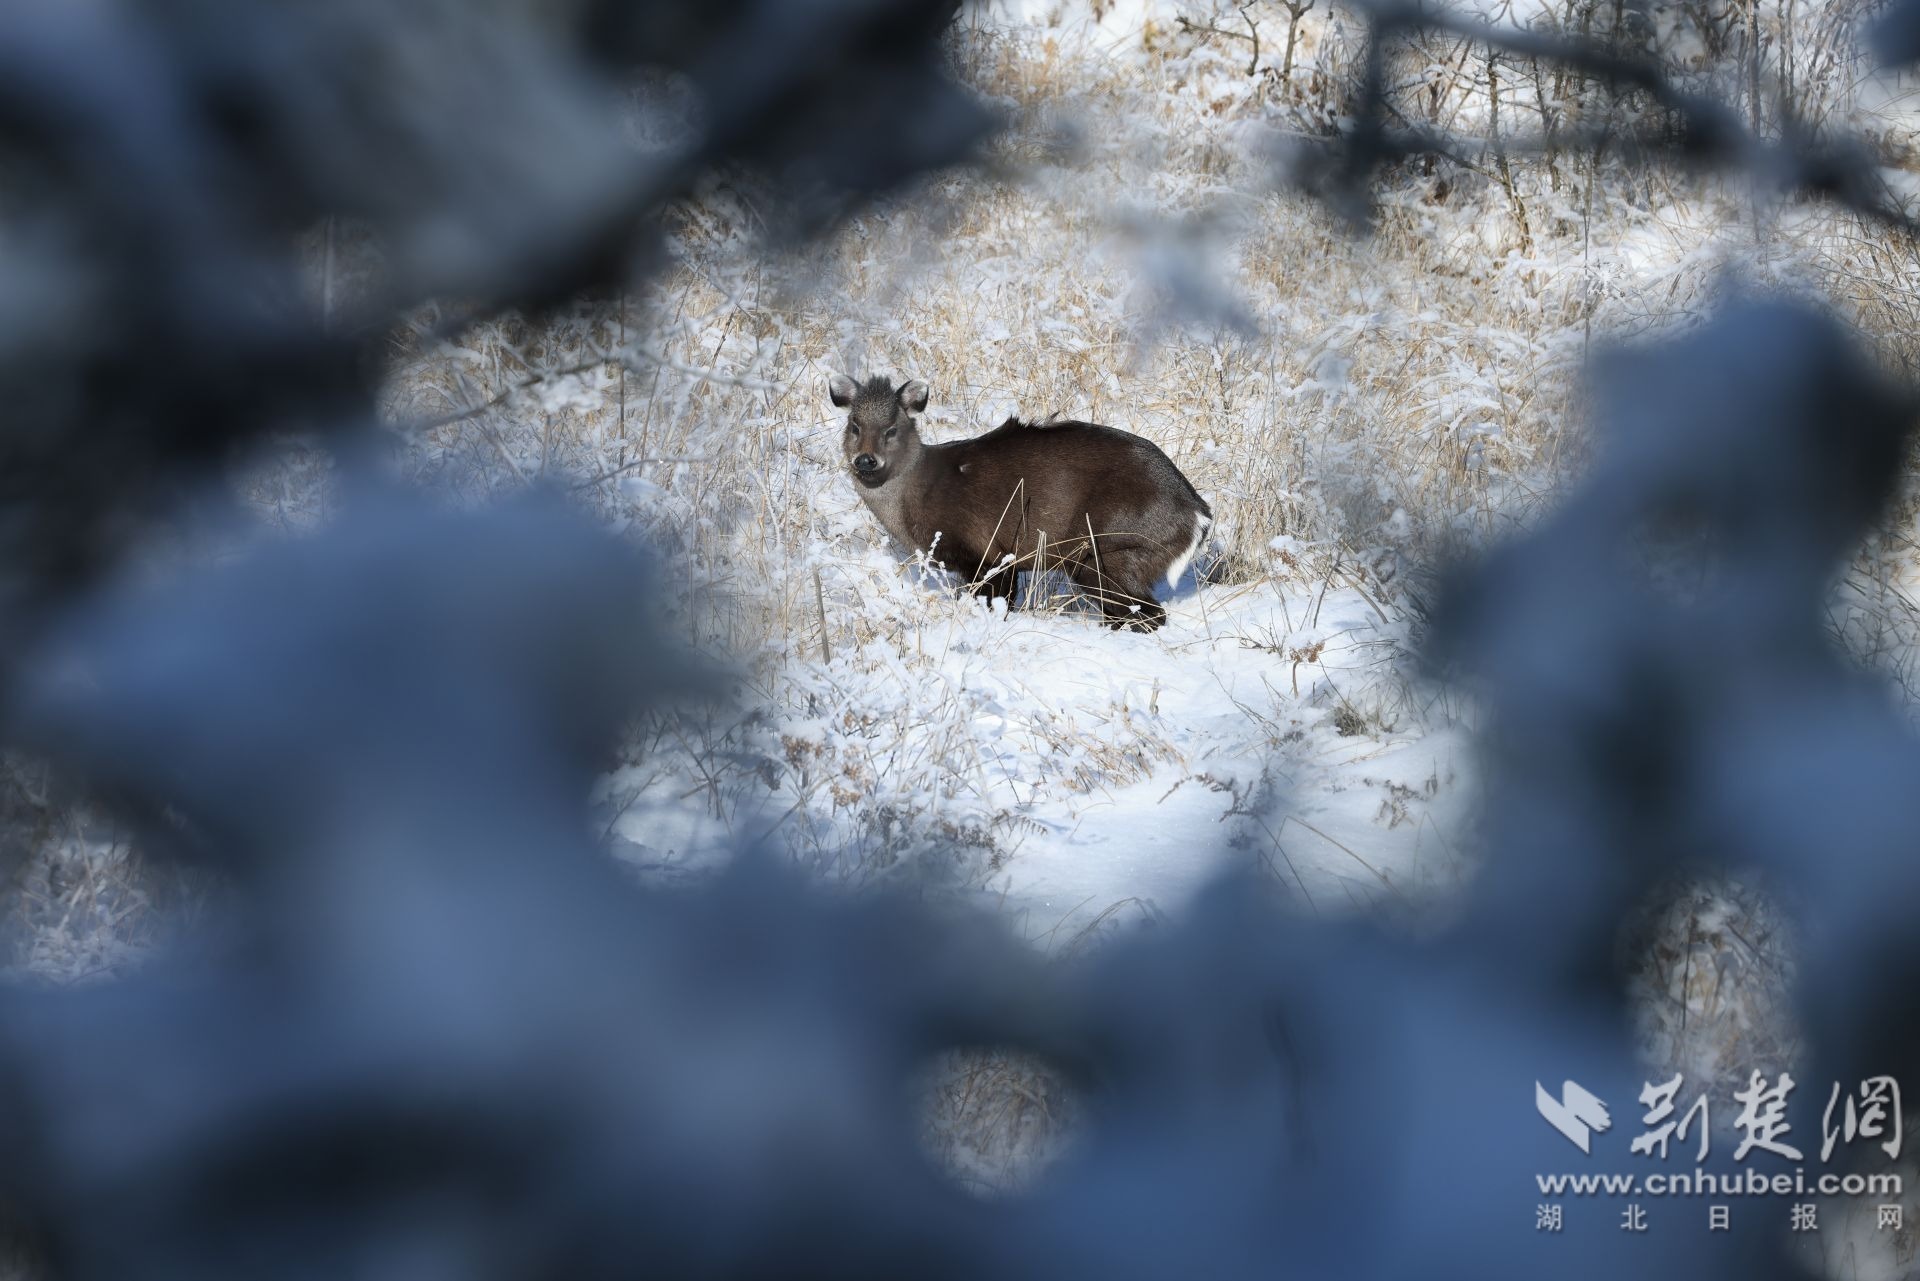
865, 463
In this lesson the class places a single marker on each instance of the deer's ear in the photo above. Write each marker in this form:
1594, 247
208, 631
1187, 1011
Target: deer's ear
913, 396
841, 388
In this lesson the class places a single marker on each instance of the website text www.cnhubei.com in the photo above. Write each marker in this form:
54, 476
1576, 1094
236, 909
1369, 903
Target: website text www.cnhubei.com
1747, 1182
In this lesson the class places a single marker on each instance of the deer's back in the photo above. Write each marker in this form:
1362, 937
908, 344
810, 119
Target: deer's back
991, 493
1061, 471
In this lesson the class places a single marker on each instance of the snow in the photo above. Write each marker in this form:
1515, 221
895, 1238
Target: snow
1102, 775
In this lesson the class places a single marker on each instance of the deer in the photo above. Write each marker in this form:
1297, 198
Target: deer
1104, 506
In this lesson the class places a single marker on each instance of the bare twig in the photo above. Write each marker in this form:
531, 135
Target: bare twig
820, 603
1202, 28
1699, 130
1295, 11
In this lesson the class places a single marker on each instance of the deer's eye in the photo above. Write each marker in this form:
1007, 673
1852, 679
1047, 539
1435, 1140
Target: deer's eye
892, 432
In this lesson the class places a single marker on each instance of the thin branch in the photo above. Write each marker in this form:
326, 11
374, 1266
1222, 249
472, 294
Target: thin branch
1700, 130
602, 358
1202, 28
474, 411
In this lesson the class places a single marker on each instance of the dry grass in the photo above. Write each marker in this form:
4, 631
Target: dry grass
1713, 966
993, 1120
86, 907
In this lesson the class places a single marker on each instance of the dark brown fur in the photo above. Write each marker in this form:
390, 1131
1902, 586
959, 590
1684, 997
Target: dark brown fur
1101, 505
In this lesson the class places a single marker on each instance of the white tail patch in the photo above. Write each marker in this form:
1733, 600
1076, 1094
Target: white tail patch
1201, 524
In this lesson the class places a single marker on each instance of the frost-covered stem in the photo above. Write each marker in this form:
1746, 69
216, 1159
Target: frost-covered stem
1201, 28
1753, 104
474, 411
1295, 12
820, 603
1787, 59
623, 379
1500, 153
1586, 260
1034, 600
1552, 149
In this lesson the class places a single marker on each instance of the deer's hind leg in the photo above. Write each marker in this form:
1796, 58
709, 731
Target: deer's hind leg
1122, 581
995, 580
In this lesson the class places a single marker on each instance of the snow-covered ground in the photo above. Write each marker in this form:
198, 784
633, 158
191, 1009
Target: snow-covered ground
1077, 775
